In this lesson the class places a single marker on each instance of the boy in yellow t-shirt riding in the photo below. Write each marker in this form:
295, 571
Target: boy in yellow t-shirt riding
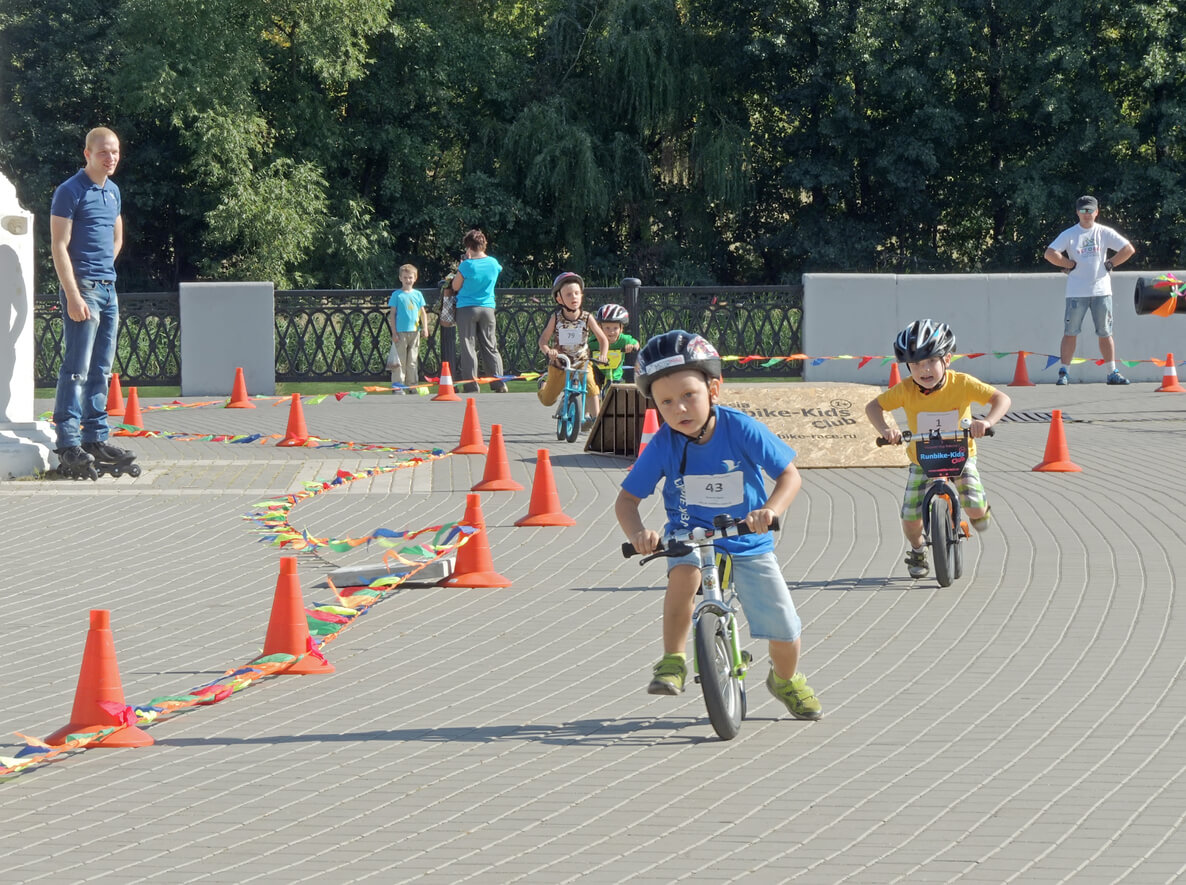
936, 398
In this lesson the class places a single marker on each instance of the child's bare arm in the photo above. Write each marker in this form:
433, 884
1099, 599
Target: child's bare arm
546, 336
786, 487
602, 341
876, 415
423, 323
626, 509
998, 405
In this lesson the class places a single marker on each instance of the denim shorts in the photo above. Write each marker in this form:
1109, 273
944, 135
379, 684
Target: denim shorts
764, 594
1101, 315
968, 484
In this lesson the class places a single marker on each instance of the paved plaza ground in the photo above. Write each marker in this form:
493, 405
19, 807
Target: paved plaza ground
1022, 725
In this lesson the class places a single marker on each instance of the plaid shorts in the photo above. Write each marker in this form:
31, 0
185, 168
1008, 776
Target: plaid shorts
971, 490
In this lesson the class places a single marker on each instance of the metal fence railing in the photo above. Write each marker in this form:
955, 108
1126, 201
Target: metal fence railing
331, 335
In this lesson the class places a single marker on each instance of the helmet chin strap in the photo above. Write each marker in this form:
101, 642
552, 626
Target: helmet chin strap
688, 440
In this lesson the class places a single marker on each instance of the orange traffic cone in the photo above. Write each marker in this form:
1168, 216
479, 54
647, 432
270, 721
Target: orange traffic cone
446, 393
1021, 375
1169, 381
115, 397
132, 412
296, 434
497, 477
471, 432
895, 375
650, 426
545, 502
288, 627
474, 567
239, 399
1057, 459
99, 698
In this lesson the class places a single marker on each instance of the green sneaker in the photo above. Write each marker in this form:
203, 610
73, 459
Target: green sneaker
796, 694
670, 674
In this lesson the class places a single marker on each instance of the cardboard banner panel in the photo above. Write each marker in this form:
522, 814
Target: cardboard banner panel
824, 423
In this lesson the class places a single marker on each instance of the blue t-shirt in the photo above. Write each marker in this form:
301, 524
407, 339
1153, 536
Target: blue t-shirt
92, 211
407, 307
478, 278
726, 471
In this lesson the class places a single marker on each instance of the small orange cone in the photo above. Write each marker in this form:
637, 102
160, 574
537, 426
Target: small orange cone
296, 434
288, 627
1021, 375
650, 426
895, 375
1169, 381
1057, 459
239, 398
446, 393
474, 567
545, 502
132, 412
115, 397
497, 477
471, 432
99, 690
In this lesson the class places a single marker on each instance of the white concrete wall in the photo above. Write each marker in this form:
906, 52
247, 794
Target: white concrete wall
860, 314
225, 326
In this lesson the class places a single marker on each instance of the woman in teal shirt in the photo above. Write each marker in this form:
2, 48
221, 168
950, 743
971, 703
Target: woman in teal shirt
474, 285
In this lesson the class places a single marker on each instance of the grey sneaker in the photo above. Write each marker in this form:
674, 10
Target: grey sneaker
796, 694
1114, 377
1064, 378
917, 565
670, 673
983, 523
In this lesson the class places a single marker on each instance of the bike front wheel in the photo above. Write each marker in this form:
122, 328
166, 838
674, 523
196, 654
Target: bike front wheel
714, 663
572, 418
942, 541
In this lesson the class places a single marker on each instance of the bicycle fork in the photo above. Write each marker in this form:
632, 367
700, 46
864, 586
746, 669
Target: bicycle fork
715, 603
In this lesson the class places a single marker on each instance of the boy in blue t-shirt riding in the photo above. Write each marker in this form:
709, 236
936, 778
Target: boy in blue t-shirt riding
712, 459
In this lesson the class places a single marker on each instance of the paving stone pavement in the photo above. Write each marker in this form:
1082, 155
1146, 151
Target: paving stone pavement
1022, 725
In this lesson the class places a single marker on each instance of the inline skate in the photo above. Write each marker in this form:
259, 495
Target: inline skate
74, 463
112, 459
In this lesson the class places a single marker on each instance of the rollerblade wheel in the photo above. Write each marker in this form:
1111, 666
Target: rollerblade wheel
117, 472
134, 470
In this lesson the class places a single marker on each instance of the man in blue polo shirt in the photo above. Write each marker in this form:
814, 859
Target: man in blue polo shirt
86, 233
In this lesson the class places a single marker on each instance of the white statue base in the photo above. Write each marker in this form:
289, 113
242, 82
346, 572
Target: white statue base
26, 449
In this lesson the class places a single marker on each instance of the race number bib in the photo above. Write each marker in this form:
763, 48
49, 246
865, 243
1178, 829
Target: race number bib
615, 359
944, 422
570, 337
714, 490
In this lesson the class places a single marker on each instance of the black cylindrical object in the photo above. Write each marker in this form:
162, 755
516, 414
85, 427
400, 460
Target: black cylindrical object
1149, 296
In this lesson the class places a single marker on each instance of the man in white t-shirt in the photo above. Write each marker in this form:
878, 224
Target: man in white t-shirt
1082, 253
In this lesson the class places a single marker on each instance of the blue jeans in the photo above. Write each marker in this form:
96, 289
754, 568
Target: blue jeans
80, 405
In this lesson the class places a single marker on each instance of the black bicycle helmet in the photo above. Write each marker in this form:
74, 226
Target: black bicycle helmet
672, 352
922, 340
613, 313
567, 277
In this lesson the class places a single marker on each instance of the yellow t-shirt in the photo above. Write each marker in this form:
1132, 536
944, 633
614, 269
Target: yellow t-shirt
941, 409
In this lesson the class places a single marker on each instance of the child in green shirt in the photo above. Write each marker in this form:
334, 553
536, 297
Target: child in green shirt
613, 319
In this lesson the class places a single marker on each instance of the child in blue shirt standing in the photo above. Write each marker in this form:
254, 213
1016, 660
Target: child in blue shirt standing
408, 321
711, 459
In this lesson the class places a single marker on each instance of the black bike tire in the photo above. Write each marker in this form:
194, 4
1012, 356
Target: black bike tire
942, 541
573, 419
957, 554
722, 690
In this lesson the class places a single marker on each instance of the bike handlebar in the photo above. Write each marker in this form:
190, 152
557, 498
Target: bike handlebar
560, 355
907, 436
679, 541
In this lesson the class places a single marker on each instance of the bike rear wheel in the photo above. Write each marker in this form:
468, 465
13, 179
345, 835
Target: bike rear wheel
572, 418
942, 541
722, 690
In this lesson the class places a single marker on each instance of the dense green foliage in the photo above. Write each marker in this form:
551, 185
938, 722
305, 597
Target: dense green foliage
323, 143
